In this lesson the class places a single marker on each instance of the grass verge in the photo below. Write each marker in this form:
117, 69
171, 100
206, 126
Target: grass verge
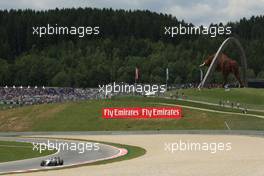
87, 116
12, 151
133, 152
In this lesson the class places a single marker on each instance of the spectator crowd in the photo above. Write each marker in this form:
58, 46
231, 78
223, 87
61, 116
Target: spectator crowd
39, 95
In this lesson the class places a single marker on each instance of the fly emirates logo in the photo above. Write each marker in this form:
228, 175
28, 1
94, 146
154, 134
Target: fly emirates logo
147, 112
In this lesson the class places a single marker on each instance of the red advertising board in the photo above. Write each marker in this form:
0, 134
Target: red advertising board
142, 112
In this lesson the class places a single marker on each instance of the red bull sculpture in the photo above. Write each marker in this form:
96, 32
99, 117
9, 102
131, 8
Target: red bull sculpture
226, 66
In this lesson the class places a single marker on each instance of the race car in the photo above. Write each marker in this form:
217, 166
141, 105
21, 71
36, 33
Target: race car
56, 161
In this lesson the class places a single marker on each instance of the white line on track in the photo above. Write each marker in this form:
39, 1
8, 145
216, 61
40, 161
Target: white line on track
121, 152
213, 104
215, 111
227, 126
16, 146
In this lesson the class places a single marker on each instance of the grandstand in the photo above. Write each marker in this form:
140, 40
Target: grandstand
35, 95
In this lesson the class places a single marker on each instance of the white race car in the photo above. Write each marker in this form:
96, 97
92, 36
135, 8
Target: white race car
56, 161
149, 93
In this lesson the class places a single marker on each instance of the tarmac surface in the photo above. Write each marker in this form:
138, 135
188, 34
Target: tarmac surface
246, 157
70, 156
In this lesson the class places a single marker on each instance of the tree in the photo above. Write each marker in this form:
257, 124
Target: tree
4, 72
260, 75
61, 79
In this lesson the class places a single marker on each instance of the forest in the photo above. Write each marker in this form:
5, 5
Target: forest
127, 39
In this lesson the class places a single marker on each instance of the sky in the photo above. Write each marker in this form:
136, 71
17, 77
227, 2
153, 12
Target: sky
198, 12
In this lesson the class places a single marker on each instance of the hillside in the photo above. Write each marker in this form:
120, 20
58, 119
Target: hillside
128, 39
87, 116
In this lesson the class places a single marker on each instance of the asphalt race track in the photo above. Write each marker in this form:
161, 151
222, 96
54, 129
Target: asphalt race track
71, 158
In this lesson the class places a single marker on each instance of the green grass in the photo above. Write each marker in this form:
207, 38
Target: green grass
133, 152
11, 151
86, 116
3, 106
249, 97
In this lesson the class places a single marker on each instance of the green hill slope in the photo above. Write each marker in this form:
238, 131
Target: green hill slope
86, 116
